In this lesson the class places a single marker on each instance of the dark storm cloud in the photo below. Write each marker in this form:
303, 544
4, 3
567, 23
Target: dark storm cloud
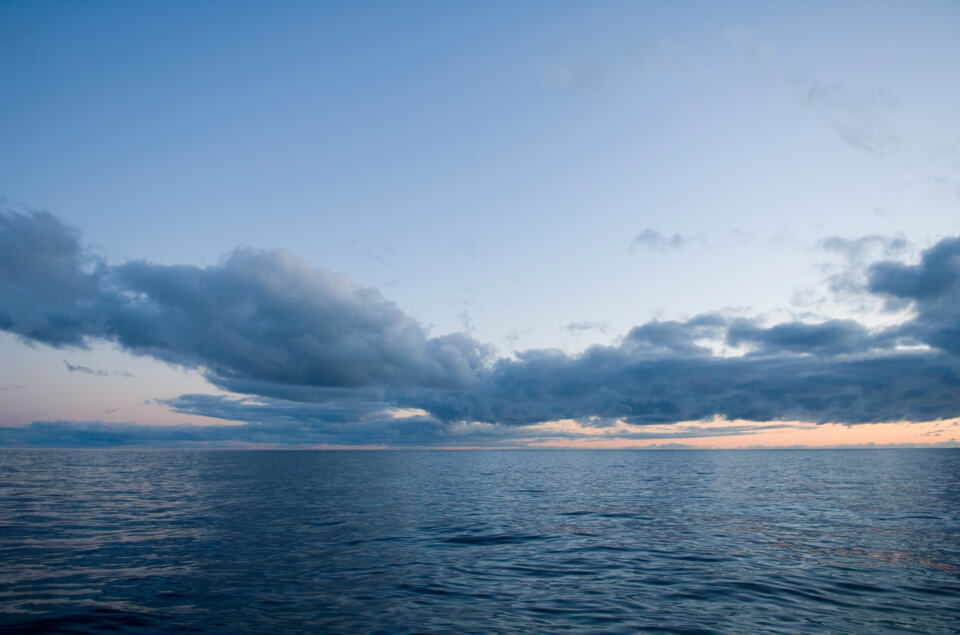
331, 362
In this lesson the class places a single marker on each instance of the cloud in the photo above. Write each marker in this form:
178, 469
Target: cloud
932, 287
51, 288
277, 424
259, 315
830, 338
579, 327
863, 137
86, 370
654, 240
324, 360
857, 249
858, 116
623, 382
849, 277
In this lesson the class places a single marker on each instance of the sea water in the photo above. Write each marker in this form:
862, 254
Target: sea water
480, 541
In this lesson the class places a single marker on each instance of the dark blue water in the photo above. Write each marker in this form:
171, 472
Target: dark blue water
475, 542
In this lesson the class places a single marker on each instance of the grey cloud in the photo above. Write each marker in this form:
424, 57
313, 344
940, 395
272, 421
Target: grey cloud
856, 249
300, 426
100, 434
513, 336
849, 278
652, 239
327, 361
51, 289
933, 287
269, 316
86, 370
263, 316
347, 409
467, 322
831, 338
674, 337
866, 138
611, 382
579, 327
933, 280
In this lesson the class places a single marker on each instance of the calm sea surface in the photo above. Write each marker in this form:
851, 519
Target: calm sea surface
477, 542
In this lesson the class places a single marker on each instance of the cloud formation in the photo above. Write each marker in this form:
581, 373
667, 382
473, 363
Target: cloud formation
257, 316
327, 361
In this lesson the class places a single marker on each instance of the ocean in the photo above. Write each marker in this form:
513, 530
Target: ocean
849, 541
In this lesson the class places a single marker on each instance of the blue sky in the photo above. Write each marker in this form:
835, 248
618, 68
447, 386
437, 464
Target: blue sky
533, 176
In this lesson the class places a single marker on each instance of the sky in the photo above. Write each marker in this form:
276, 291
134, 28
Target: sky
563, 224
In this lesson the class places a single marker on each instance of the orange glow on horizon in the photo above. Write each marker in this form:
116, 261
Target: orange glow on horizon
794, 434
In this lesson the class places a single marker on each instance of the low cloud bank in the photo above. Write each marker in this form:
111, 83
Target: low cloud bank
328, 360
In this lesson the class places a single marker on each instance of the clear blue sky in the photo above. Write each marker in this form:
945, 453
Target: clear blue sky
538, 175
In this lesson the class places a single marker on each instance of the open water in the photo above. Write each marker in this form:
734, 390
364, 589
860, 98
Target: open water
477, 542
